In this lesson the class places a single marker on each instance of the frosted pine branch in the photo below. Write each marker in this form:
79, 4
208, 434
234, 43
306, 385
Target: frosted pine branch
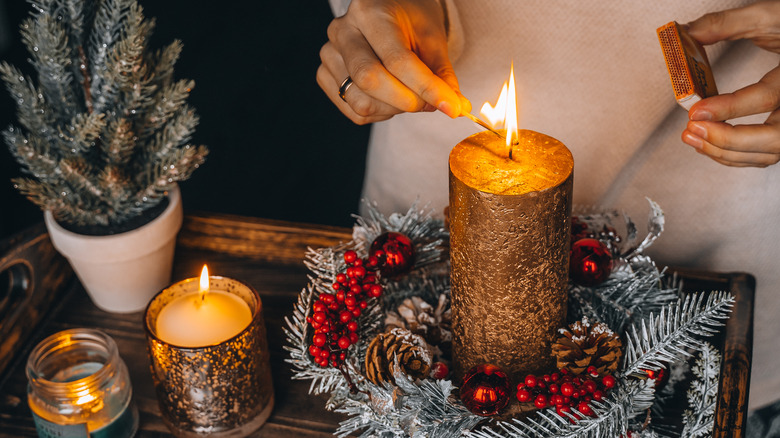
670, 335
703, 394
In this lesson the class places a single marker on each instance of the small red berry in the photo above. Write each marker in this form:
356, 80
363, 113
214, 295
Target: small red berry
608, 381
557, 399
376, 291
319, 339
530, 380
555, 377
314, 350
592, 371
350, 256
546, 378
359, 271
439, 370
353, 337
590, 386
553, 388
358, 262
352, 326
345, 316
567, 389
540, 401
598, 395
355, 312
319, 317
585, 409
344, 342
523, 395
341, 278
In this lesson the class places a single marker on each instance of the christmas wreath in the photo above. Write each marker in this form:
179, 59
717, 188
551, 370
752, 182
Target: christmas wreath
372, 329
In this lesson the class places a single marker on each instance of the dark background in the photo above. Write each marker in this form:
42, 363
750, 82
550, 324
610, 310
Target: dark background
279, 149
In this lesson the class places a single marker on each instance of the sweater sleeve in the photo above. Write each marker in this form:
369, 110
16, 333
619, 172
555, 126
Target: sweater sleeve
452, 19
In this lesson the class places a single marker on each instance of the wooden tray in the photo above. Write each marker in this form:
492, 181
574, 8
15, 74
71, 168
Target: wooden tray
44, 297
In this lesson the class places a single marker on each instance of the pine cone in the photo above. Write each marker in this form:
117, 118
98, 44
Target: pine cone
420, 318
397, 347
585, 345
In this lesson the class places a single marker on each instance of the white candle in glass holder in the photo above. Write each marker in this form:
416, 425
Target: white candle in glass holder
203, 318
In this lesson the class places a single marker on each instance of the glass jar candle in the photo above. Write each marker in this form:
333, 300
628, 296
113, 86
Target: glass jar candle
80, 387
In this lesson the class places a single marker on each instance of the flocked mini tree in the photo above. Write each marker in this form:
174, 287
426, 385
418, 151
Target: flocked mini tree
105, 131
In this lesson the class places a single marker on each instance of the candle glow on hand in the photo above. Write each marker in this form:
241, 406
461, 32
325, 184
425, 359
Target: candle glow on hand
505, 110
203, 318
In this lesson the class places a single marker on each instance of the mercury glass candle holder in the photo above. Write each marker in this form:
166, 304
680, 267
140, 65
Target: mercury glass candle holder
217, 390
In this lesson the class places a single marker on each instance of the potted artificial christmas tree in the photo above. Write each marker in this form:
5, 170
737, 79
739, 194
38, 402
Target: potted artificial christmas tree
104, 139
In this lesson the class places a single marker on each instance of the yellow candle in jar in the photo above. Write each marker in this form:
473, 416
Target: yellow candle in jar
203, 318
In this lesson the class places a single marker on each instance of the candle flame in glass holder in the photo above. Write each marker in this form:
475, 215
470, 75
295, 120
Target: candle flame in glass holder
505, 110
204, 283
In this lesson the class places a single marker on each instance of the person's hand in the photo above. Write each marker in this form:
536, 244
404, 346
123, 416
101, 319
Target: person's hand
395, 52
707, 130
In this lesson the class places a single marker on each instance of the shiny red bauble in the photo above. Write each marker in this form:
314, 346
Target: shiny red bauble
395, 253
485, 389
590, 262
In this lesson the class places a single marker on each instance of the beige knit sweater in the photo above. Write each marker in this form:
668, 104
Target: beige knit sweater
592, 75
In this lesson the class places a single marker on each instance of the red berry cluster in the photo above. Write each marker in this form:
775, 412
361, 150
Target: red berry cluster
565, 391
334, 316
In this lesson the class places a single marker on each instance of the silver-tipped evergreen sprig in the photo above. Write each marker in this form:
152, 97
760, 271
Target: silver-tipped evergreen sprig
104, 129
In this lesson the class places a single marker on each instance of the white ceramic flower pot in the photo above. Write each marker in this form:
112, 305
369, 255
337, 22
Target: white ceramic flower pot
122, 272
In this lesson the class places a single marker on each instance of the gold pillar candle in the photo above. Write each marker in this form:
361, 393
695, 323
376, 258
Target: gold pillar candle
219, 390
509, 237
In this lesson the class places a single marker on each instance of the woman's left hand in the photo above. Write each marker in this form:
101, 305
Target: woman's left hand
708, 130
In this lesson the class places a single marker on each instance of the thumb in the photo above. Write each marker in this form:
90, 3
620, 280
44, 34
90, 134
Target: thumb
730, 24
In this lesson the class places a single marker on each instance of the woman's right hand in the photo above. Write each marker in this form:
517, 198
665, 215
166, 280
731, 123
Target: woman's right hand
395, 52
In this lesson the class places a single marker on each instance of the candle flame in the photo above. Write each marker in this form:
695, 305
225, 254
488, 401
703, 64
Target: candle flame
505, 110
204, 282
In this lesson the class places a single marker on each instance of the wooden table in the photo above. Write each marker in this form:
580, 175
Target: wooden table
44, 297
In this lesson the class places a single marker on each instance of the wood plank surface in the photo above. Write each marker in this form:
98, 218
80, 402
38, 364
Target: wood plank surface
268, 255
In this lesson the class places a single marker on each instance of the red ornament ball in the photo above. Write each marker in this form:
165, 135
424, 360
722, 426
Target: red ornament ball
395, 253
590, 262
485, 389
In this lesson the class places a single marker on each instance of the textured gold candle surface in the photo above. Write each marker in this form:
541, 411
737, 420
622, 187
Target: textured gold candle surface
509, 231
